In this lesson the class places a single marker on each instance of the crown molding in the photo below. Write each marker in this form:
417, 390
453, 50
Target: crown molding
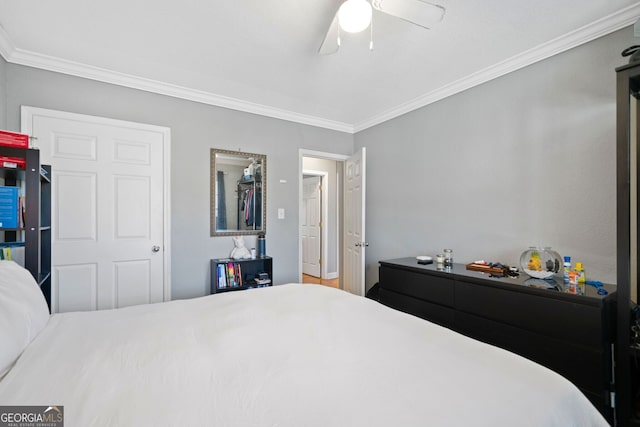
50, 63
585, 34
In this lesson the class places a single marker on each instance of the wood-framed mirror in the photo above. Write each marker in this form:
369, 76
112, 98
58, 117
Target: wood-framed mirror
238, 193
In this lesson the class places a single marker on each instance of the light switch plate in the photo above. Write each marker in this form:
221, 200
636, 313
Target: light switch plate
280, 213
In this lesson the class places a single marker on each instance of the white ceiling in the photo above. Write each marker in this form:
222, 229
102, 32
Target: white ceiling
261, 55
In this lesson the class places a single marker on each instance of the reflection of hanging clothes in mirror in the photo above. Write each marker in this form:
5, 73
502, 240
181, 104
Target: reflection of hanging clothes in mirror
250, 213
251, 204
258, 208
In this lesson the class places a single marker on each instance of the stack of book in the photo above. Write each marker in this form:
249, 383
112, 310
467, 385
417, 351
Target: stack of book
262, 280
230, 275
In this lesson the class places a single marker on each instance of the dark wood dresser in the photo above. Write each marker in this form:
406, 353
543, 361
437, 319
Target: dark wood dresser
569, 334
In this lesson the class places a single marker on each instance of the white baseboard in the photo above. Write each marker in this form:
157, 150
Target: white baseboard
333, 275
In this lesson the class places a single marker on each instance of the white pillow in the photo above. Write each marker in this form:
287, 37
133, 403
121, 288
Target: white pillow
23, 312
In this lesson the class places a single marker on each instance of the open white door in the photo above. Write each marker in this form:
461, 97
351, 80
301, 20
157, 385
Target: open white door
109, 209
310, 229
354, 222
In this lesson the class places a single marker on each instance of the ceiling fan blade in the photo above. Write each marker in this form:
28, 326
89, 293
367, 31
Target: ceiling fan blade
417, 12
330, 44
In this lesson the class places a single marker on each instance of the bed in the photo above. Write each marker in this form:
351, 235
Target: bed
289, 355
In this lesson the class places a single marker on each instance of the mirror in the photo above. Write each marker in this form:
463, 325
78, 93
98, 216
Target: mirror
238, 193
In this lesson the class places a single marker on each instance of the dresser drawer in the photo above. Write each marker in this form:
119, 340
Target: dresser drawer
576, 323
585, 368
425, 287
432, 312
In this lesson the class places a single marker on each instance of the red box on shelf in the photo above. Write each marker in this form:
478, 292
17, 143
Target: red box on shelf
14, 139
12, 162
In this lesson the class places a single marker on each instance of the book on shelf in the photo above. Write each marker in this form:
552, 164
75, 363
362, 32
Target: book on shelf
222, 276
13, 251
9, 207
238, 271
5, 253
21, 211
229, 275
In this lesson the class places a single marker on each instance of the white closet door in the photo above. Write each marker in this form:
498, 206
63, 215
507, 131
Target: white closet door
108, 212
311, 220
354, 214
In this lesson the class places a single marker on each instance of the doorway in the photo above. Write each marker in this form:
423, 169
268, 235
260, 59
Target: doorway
349, 248
320, 218
315, 227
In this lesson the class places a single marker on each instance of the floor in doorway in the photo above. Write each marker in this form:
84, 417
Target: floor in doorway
334, 283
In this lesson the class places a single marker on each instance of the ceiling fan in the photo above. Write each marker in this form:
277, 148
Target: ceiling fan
354, 16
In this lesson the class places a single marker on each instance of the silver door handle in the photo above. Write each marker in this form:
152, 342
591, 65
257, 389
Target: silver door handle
155, 248
362, 244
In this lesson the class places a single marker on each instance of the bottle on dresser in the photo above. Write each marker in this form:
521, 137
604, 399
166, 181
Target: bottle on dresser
566, 267
581, 278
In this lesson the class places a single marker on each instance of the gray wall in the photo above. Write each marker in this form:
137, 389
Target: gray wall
328, 166
525, 159
195, 129
3, 90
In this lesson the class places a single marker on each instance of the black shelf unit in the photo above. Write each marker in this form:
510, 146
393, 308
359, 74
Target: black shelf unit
250, 269
628, 180
35, 180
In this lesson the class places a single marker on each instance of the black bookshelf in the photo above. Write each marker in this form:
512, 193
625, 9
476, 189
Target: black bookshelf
35, 234
245, 277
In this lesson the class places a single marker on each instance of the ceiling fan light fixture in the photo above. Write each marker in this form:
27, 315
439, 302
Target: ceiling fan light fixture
354, 15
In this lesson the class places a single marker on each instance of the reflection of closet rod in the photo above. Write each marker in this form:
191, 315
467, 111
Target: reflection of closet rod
253, 184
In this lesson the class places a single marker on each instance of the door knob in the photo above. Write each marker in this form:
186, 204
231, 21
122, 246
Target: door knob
155, 248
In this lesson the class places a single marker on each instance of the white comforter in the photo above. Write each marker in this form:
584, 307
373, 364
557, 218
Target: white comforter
291, 355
